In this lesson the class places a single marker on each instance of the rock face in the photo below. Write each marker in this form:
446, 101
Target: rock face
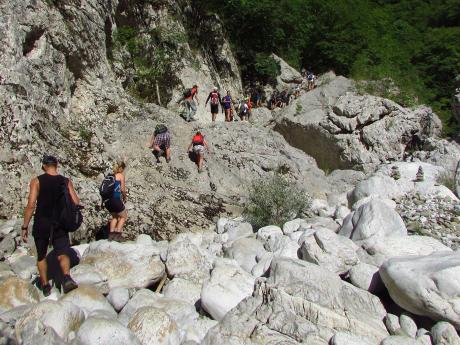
342, 129
300, 302
15, 292
288, 75
425, 285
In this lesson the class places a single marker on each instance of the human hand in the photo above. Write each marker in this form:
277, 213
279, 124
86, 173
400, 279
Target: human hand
25, 233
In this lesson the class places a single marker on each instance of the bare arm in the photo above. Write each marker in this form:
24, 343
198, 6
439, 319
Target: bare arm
207, 99
152, 140
30, 208
73, 194
123, 187
190, 147
205, 143
196, 98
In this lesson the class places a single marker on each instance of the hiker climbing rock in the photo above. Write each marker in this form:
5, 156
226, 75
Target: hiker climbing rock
310, 79
197, 147
49, 195
160, 143
215, 98
228, 102
190, 96
244, 111
113, 193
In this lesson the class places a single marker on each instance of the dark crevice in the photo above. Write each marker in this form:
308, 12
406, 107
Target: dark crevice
108, 39
31, 38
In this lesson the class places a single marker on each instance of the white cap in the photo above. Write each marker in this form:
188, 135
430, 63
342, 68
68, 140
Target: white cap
215, 88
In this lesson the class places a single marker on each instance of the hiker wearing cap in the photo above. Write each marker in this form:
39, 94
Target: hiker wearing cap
215, 98
228, 102
190, 96
116, 203
160, 143
197, 146
44, 193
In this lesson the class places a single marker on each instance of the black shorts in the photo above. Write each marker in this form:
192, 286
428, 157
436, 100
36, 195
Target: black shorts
114, 205
58, 238
214, 108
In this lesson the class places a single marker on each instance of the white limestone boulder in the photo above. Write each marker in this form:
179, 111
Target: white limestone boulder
63, 317
425, 285
89, 299
444, 333
183, 289
245, 251
342, 338
399, 340
102, 331
372, 222
129, 265
334, 252
153, 326
228, 285
185, 257
197, 331
366, 277
118, 297
15, 292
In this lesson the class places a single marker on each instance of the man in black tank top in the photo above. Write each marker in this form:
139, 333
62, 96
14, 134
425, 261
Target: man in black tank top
43, 196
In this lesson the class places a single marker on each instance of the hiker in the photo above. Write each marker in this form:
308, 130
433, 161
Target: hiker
45, 191
198, 145
228, 102
215, 98
115, 203
160, 143
244, 111
310, 79
258, 99
190, 95
249, 104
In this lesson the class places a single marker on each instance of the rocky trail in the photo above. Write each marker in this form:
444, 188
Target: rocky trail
373, 261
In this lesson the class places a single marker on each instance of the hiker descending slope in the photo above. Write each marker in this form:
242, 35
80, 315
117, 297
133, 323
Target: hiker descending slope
215, 98
160, 143
190, 95
113, 193
198, 145
50, 196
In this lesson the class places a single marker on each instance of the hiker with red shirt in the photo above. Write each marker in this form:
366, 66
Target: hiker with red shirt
215, 98
190, 95
198, 145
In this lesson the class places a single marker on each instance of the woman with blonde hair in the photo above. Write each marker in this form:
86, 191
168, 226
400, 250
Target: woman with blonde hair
115, 205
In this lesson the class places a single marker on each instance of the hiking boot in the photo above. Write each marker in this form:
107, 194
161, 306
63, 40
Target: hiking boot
46, 290
68, 284
168, 160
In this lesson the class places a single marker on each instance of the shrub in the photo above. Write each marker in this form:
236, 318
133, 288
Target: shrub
275, 200
266, 68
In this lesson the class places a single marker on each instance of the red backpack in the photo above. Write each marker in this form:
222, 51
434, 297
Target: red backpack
214, 97
198, 139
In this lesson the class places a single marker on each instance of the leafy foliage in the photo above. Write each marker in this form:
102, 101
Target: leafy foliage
413, 43
274, 201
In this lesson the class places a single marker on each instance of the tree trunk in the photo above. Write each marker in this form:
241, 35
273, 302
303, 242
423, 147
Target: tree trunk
158, 92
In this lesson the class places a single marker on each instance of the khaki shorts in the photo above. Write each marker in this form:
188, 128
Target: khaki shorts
198, 149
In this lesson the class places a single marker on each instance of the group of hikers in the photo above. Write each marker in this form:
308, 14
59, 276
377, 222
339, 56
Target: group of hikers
55, 206
230, 107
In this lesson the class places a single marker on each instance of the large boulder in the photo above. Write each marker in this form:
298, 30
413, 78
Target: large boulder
129, 265
35, 332
288, 74
245, 251
102, 331
329, 250
372, 222
229, 285
425, 285
301, 302
444, 333
183, 289
90, 300
185, 257
15, 292
153, 326
63, 317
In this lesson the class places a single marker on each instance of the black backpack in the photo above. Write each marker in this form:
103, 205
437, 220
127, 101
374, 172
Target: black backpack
159, 129
67, 214
187, 93
107, 187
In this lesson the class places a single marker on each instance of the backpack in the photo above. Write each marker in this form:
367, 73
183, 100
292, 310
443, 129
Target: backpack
243, 108
67, 214
187, 93
159, 129
107, 187
214, 98
198, 139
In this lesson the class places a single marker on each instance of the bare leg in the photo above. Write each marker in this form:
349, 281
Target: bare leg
113, 223
64, 262
43, 270
168, 153
121, 221
200, 161
214, 117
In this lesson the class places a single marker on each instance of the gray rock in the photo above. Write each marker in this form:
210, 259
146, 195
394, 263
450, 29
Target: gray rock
457, 179
7, 246
118, 297
348, 339
329, 250
89, 300
24, 266
408, 325
392, 323
15, 292
101, 331
183, 289
301, 302
425, 285
35, 332
288, 74
185, 257
366, 277
444, 333
399, 340
372, 222
245, 251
